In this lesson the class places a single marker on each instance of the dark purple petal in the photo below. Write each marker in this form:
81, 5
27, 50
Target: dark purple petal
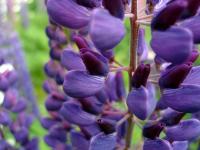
80, 41
169, 15
72, 60
193, 25
108, 126
103, 21
173, 77
80, 84
152, 130
180, 145
67, 13
79, 141
141, 102
51, 141
192, 8
171, 117
157, 144
73, 113
102, 141
185, 130
95, 63
184, 99
115, 7
178, 44
89, 3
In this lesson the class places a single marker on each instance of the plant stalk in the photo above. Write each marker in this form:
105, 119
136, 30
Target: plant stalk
132, 66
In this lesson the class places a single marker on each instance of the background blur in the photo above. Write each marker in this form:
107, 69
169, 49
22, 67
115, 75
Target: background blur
28, 19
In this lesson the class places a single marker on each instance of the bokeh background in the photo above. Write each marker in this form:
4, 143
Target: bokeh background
28, 19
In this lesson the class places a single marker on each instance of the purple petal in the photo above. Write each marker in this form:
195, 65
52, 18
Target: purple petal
193, 77
171, 117
121, 90
184, 99
47, 123
79, 141
141, 102
58, 133
102, 141
103, 21
91, 130
33, 144
178, 44
73, 113
142, 45
193, 25
157, 144
72, 60
185, 130
79, 84
111, 87
180, 145
67, 13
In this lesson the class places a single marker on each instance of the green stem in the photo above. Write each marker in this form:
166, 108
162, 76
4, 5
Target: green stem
132, 66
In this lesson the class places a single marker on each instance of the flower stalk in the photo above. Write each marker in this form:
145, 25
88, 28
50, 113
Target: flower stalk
132, 66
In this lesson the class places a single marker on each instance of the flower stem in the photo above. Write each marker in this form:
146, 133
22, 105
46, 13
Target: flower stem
132, 66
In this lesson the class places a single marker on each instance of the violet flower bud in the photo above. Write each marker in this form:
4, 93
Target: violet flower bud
141, 75
169, 15
47, 123
173, 77
121, 91
95, 63
80, 41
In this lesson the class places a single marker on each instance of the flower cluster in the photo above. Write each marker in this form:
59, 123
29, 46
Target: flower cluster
86, 81
14, 119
